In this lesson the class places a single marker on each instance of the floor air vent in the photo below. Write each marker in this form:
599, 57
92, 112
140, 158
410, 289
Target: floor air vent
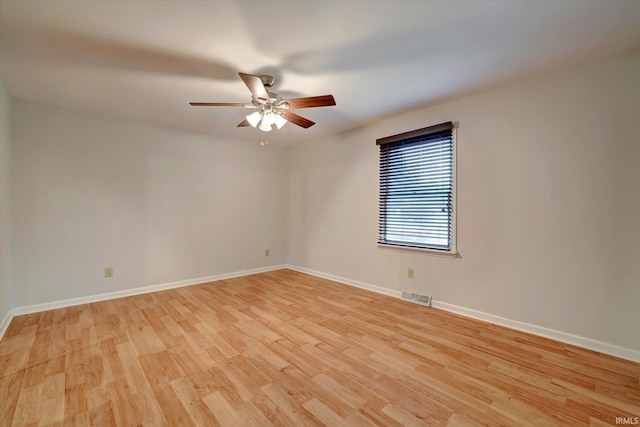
417, 298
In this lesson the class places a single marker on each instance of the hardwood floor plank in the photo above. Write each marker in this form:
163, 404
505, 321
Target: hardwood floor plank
10, 388
174, 412
340, 391
272, 412
224, 413
323, 413
195, 407
160, 367
51, 407
113, 370
287, 349
289, 406
15, 354
224, 386
378, 417
34, 374
132, 369
27, 408
297, 357
145, 340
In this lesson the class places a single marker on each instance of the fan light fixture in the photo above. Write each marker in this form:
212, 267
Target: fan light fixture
266, 119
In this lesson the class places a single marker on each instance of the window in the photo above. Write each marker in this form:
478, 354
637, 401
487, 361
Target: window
417, 189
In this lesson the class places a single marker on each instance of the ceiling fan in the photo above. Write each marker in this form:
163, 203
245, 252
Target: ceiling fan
271, 108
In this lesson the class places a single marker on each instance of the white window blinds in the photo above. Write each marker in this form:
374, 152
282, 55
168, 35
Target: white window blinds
416, 188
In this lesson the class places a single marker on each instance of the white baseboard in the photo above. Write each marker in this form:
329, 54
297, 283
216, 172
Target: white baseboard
126, 293
355, 283
5, 323
565, 337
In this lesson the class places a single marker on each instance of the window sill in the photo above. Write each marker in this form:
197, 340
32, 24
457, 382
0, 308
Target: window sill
435, 252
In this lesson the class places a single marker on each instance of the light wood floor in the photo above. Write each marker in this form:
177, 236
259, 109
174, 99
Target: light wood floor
284, 348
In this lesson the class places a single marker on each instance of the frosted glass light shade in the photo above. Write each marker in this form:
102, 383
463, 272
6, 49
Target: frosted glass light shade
267, 121
279, 120
264, 126
254, 118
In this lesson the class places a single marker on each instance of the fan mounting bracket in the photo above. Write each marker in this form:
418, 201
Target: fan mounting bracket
267, 80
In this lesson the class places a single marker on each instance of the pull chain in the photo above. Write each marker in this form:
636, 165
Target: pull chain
263, 141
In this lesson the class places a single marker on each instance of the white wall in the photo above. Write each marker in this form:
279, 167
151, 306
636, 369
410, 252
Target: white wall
6, 300
157, 205
548, 204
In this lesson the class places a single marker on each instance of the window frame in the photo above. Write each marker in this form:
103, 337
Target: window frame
452, 252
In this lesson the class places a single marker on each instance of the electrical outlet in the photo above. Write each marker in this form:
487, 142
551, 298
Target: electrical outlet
410, 273
266, 252
108, 272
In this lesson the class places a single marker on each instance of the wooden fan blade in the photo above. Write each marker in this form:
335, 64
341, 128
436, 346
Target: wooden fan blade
217, 104
243, 123
297, 120
311, 101
255, 85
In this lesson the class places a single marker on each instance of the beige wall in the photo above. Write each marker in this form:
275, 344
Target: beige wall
157, 205
6, 301
548, 204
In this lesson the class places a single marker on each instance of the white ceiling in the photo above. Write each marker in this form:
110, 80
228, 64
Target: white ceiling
146, 60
